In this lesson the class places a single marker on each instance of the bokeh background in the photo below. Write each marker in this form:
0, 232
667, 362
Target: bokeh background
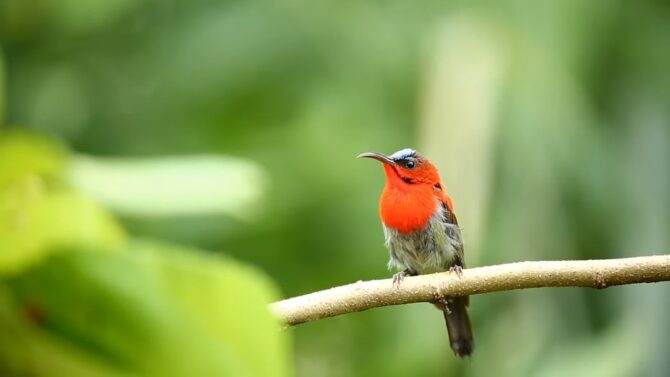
169, 167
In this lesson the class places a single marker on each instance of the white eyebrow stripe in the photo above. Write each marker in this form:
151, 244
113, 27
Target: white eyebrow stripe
403, 153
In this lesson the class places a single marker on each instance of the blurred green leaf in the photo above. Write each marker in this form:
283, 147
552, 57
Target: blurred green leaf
28, 351
172, 186
159, 310
36, 212
24, 155
39, 221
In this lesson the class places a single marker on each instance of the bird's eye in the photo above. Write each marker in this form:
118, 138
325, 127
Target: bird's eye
410, 164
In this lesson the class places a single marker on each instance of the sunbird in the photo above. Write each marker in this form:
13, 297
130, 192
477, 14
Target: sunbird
422, 233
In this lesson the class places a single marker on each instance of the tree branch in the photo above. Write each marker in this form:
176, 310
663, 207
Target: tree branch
365, 295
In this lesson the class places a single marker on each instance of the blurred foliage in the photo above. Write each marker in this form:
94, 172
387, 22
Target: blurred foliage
550, 122
78, 299
128, 186
157, 310
34, 204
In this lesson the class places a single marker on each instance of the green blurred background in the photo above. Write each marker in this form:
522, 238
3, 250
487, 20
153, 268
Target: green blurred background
167, 168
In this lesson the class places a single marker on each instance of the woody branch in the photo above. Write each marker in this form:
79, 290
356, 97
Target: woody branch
365, 295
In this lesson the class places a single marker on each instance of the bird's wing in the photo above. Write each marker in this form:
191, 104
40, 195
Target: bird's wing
454, 233
449, 215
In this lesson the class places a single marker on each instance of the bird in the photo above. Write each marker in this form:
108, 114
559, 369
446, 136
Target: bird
422, 233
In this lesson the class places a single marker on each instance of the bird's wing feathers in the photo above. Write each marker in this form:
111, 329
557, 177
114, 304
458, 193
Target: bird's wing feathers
450, 216
454, 232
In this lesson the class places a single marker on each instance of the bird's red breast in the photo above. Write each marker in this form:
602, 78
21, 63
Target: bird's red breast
411, 196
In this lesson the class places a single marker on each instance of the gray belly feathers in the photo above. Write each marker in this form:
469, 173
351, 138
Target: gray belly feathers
434, 249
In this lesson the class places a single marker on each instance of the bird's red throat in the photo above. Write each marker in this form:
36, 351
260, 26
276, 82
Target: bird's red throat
406, 207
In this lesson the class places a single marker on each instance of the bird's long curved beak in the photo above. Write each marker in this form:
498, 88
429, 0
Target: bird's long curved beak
377, 156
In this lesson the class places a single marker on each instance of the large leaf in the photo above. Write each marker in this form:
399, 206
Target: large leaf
158, 310
38, 213
27, 351
25, 155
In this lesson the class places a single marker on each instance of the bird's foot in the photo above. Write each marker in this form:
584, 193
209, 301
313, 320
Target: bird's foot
457, 269
399, 276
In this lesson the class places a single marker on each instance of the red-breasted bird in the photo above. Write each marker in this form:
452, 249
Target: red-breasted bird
422, 233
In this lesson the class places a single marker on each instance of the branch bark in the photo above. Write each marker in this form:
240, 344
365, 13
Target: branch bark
364, 295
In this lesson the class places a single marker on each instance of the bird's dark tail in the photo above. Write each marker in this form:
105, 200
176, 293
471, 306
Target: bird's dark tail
458, 326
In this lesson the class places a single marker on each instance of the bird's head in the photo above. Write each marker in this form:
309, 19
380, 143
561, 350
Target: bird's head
412, 186
406, 167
